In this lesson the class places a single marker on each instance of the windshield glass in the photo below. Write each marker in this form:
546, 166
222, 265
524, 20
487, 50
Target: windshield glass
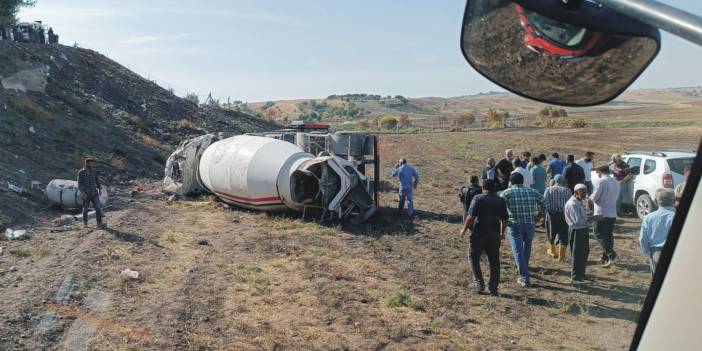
560, 33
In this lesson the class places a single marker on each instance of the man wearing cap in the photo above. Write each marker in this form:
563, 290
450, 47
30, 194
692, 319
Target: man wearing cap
576, 217
409, 179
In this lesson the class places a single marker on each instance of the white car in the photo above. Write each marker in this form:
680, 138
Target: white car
652, 170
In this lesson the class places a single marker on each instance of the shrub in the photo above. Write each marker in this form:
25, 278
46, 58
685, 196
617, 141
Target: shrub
546, 122
387, 122
493, 115
403, 298
119, 164
33, 111
577, 123
404, 122
185, 123
192, 97
494, 125
149, 140
137, 121
463, 120
159, 158
363, 124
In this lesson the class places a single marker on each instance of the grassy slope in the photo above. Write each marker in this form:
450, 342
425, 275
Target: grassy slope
93, 106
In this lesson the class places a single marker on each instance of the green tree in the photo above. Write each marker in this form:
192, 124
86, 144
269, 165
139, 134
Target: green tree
387, 122
9, 10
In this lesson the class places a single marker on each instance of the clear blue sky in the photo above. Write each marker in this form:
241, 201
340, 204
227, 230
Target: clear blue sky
257, 50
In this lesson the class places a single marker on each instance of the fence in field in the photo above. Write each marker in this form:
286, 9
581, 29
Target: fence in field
439, 124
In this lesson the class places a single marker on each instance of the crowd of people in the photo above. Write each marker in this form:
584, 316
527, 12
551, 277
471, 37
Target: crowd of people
517, 195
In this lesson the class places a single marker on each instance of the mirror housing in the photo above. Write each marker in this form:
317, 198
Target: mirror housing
555, 53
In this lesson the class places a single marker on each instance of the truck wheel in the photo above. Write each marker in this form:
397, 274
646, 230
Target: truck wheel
644, 205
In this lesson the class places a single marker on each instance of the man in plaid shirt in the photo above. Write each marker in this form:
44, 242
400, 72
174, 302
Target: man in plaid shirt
522, 205
556, 226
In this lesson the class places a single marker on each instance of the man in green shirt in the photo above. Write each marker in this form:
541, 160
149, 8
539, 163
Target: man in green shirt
538, 174
522, 203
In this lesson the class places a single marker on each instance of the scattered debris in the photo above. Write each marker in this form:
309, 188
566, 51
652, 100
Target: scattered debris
203, 242
13, 269
63, 220
15, 234
135, 190
35, 184
1, 250
32, 130
14, 188
128, 273
171, 199
223, 206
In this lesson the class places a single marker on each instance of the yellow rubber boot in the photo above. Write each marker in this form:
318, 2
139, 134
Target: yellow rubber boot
562, 249
552, 251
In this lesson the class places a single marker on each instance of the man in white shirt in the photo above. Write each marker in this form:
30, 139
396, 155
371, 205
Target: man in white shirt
528, 179
605, 213
586, 164
576, 217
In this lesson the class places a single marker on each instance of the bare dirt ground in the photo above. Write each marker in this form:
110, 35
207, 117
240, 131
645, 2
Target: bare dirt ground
276, 282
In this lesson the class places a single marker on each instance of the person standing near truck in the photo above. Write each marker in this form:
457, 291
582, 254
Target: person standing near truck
409, 179
90, 191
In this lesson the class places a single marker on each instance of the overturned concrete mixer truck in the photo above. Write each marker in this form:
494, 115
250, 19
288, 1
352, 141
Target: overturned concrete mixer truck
279, 171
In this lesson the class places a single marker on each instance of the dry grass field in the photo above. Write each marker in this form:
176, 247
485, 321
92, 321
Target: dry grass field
216, 279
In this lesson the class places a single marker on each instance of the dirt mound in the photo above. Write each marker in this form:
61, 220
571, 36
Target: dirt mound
59, 104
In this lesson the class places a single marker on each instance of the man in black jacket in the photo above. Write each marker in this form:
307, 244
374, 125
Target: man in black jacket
573, 174
90, 191
503, 170
487, 222
468, 193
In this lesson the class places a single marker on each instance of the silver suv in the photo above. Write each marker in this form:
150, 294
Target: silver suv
652, 170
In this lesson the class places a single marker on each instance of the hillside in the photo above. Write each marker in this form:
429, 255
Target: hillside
59, 104
636, 106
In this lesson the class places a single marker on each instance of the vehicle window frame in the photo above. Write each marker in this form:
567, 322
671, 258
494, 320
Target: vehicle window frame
655, 166
631, 168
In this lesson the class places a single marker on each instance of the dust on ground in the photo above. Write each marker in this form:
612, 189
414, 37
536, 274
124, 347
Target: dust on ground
214, 279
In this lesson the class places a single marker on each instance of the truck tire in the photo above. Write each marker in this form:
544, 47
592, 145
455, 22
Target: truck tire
644, 205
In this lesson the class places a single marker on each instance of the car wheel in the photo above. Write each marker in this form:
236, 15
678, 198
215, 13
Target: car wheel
644, 205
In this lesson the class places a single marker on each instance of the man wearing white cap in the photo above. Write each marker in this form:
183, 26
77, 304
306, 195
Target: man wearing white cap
576, 217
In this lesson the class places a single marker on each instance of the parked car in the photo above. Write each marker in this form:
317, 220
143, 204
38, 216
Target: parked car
652, 170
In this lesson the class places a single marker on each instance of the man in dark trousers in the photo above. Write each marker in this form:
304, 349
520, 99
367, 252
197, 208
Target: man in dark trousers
576, 217
90, 191
503, 170
468, 193
556, 227
487, 222
573, 173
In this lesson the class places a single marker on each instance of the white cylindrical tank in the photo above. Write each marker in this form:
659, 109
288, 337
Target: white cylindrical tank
252, 172
65, 193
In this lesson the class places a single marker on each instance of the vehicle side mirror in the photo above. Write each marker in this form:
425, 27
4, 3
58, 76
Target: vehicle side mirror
547, 51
